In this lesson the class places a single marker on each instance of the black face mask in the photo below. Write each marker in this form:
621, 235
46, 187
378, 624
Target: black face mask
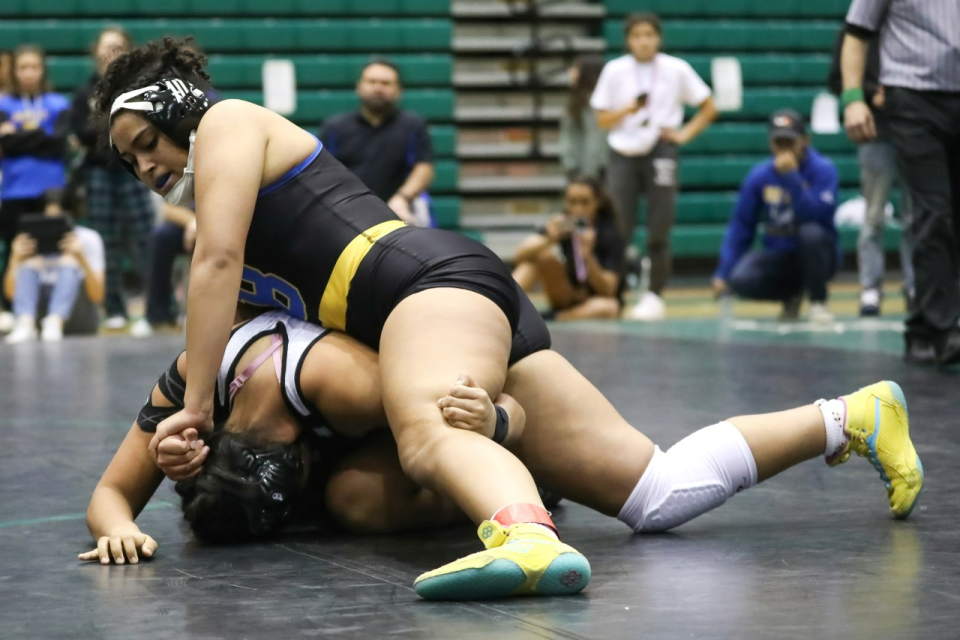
278, 476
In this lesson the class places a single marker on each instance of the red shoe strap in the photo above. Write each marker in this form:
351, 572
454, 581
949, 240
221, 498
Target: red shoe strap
529, 513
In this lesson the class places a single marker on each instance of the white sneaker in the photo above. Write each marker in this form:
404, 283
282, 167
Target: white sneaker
115, 323
24, 331
650, 308
141, 329
819, 313
7, 321
51, 329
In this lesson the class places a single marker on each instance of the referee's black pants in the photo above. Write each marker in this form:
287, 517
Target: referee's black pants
925, 127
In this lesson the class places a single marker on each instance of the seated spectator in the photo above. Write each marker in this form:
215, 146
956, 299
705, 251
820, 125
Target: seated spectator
583, 279
174, 236
33, 134
794, 195
49, 286
388, 148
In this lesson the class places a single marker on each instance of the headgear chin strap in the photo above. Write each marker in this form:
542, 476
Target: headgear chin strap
173, 105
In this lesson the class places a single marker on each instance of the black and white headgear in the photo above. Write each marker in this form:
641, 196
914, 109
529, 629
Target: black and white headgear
173, 105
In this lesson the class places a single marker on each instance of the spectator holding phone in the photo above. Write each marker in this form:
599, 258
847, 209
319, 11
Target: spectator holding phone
65, 287
640, 98
33, 134
577, 256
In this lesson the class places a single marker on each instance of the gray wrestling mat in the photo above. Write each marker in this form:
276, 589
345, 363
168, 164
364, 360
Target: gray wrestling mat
810, 554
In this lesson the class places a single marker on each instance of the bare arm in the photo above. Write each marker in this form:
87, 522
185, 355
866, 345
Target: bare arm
604, 282
126, 486
180, 216
706, 113
610, 119
229, 170
857, 117
418, 181
531, 247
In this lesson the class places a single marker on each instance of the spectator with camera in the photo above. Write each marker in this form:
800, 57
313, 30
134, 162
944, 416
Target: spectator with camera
640, 98
794, 196
55, 272
577, 256
33, 134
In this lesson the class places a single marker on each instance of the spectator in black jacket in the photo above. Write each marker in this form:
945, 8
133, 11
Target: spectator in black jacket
119, 207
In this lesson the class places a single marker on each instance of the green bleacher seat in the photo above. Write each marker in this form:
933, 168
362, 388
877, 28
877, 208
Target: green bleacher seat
446, 210
729, 171
732, 8
701, 241
448, 173
244, 35
245, 71
760, 69
736, 35
115, 8
727, 138
444, 141
758, 104
314, 106
705, 240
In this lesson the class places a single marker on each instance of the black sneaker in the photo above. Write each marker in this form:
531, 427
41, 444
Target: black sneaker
918, 350
791, 308
947, 346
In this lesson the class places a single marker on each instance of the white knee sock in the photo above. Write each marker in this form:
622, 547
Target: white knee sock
697, 474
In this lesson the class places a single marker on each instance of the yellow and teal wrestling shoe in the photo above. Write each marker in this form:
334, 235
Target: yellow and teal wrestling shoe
521, 560
879, 430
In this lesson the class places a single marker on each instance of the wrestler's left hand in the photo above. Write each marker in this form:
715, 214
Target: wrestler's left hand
469, 407
175, 425
125, 544
181, 457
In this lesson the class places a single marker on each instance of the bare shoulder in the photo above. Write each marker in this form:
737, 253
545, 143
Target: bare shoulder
234, 116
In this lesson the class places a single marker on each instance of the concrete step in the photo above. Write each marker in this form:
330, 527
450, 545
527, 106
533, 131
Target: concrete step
507, 150
474, 9
505, 44
495, 113
501, 184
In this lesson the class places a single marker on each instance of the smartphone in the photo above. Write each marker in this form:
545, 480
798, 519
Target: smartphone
642, 101
46, 230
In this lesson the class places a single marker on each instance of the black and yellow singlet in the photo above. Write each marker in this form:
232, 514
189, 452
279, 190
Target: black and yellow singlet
325, 249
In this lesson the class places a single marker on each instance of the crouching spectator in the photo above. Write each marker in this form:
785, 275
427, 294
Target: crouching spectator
63, 288
577, 257
794, 195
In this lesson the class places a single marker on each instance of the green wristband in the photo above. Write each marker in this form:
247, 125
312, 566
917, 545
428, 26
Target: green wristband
849, 96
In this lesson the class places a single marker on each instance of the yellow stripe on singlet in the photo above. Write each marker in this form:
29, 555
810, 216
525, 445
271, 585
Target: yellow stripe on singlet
333, 304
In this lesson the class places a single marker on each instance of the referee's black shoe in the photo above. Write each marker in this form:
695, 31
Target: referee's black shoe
947, 345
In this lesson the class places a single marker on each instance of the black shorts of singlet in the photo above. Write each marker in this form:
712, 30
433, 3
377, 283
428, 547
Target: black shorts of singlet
412, 260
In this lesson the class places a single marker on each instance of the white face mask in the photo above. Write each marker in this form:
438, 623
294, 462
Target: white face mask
181, 195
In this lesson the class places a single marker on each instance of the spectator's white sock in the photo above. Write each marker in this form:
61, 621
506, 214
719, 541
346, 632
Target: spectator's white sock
834, 419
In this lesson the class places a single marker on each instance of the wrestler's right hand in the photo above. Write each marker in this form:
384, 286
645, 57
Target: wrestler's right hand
175, 425
125, 544
181, 456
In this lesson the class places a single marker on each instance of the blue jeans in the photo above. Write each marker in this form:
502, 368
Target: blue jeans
764, 274
63, 292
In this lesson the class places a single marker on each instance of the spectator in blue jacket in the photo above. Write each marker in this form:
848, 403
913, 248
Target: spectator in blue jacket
33, 135
794, 195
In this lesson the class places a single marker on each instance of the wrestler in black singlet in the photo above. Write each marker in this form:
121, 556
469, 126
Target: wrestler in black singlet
327, 250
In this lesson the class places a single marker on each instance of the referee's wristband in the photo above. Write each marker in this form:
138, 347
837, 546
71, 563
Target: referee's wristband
851, 95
